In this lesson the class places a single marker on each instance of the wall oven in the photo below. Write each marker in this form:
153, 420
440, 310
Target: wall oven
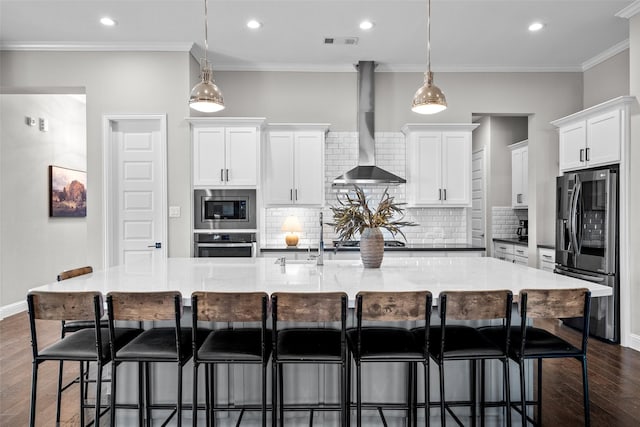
224, 209
216, 245
587, 240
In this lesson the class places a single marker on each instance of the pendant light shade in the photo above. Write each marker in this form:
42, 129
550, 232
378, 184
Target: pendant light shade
429, 99
206, 96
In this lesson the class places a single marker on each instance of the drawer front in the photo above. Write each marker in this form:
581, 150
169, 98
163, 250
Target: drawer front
502, 248
521, 251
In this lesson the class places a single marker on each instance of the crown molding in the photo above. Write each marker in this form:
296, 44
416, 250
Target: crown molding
630, 11
603, 56
96, 47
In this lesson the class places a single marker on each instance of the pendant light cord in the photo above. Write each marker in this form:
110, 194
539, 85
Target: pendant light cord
206, 32
429, 36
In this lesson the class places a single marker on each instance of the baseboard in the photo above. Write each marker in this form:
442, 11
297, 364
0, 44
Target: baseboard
11, 309
634, 342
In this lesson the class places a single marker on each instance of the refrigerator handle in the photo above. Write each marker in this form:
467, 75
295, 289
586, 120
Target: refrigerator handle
574, 215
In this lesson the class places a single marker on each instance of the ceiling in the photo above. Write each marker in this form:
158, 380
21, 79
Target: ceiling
466, 35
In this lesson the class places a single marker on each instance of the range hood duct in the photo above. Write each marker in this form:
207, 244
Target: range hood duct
367, 172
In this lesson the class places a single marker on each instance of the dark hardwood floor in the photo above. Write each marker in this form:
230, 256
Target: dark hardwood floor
614, 381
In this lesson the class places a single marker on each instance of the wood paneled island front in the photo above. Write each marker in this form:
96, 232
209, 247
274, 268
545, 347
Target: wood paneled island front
312, 383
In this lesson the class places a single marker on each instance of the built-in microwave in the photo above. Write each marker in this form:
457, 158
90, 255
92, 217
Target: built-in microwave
224, 209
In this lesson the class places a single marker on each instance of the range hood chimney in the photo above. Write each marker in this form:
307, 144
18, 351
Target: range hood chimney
367, 172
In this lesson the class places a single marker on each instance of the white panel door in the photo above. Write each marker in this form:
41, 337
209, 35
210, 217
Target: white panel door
308, 167
477, 198
208, 156
428, 168
278, 165
456, 160
241, 156
139, 201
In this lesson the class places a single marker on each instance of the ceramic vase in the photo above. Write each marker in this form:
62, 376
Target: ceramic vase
371, 247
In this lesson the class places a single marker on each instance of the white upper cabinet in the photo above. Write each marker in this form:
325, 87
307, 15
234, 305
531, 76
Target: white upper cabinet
294, 164
438, 164
225, 152
519, 175
593, 137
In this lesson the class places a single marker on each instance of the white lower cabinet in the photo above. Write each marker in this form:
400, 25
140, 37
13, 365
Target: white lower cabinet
517, 254
355, 255
546, 259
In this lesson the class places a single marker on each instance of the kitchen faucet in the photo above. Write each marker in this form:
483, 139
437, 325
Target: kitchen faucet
320, 258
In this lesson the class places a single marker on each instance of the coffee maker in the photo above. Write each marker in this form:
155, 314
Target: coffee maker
523, 230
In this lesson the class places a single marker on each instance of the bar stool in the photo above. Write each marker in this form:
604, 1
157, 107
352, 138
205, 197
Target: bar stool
307, 345
158, 344
243, 345
90, 344
69, 326
457, 342
386, 344
529, 342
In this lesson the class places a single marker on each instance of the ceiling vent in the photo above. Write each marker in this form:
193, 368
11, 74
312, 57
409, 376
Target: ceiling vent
349, 41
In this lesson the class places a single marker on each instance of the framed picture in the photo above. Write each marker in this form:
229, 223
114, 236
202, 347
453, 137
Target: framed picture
67, 192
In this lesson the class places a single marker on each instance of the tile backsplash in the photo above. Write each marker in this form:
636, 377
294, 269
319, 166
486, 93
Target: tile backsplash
505, 221
436, 225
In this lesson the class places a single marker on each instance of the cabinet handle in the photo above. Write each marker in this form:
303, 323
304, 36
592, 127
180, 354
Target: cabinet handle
546, 256
503, 248
445, 194
227, 170
520, 252
291, 194
296, 194
582, 154
221, 175
514, 261
439, 193
587, 156
518, 198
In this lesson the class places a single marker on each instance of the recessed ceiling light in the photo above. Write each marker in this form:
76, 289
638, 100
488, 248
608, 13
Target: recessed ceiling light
366, 25
536, 26
107, 22
254, 25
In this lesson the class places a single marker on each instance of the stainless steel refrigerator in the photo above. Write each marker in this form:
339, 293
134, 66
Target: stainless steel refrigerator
587, 241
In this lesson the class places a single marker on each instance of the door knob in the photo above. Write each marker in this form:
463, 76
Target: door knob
157, 245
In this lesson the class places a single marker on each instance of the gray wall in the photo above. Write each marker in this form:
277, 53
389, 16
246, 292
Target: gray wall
32, 244
157, 82
607, 80
115, 83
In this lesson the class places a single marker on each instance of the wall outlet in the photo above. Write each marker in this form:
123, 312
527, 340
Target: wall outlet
30, 121
44, 125
174, 211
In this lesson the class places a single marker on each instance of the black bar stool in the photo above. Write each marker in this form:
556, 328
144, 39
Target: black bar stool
162, 344
243, 345
322, 344
90, 344
386, 344
529, 342
458, 342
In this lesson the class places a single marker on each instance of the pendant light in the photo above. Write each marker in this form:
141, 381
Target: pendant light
205, 96
429, 99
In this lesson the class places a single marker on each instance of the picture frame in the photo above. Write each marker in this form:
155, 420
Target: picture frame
67, 192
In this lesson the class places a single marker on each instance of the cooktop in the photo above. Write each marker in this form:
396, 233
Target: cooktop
356, 243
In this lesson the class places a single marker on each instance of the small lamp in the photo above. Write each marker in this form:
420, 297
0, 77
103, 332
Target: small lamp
291, 225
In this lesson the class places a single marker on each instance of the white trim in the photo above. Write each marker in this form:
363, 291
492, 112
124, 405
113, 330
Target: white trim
107, 176
630, 11
11, 309
619, 102
603, 56
634, 342
97, 47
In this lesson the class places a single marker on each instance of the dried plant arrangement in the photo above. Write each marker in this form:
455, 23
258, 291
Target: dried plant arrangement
353, 215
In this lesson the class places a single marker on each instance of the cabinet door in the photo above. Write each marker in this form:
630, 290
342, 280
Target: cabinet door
603, 139
208, 156
241, 156
456, 161
427, 168
519, 177
573, 139
308, 168
278, 185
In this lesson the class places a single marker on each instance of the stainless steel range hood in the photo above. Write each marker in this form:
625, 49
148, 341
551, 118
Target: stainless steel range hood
367, 172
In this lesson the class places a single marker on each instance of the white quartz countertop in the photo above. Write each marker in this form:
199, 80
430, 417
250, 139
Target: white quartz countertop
262, 274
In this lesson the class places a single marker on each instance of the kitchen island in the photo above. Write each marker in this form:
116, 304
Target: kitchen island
313, 383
